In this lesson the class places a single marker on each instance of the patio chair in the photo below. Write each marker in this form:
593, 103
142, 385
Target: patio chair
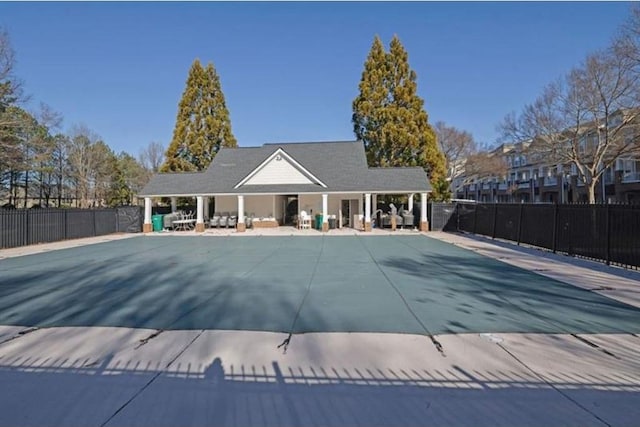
248, 220
224, 219
407, 219
167, 221
233, 220
305, 220
215, 220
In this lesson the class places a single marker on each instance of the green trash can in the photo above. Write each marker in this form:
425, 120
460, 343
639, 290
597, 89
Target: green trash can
156, 220
318, 221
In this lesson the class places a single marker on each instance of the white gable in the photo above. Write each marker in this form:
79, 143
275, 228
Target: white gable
278, 170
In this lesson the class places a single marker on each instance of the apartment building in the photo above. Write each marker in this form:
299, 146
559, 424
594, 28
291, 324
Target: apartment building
529, 178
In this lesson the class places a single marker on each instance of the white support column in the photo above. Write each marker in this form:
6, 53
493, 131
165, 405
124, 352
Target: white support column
174, 204
410, 207
199, 214
325, 212
367, 212
241, 226
199, 210
146, 226
424, 226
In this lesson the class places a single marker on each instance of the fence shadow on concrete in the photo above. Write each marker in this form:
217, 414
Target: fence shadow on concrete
222, 393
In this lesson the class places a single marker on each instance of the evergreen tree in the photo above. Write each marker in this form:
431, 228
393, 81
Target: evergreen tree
128, 177
389, 116
369, 106
119, 193
202, 126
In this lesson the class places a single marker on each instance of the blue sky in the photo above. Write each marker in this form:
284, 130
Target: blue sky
290, 71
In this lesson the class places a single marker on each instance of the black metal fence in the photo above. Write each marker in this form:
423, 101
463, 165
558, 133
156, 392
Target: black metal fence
609, 233
21, 227
441, 216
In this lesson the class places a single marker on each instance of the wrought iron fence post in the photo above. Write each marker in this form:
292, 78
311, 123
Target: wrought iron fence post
520, 223
495, 220
66, 222
608, 219
569, 226
554, 243
475, 218
26, 227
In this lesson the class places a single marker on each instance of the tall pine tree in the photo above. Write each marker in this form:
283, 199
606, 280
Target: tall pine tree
389, 116
202, 126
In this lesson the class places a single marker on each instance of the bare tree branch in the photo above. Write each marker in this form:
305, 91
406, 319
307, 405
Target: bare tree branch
588, 119
152, 156
10, 85
456, 145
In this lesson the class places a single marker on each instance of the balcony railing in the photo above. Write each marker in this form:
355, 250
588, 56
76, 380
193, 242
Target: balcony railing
631, 177
524, 184
486, 186
472, 187
503, 186
550, 180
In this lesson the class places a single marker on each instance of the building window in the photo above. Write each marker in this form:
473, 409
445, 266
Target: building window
630, 170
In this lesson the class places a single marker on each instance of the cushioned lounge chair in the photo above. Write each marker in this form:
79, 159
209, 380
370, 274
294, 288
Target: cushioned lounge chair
233, 220
215, 220
224, 219
407, 219
167, 221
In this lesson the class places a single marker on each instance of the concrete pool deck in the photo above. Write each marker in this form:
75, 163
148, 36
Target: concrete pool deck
112, 376
613, 282
104, 376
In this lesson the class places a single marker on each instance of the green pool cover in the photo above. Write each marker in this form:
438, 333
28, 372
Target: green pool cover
404, 284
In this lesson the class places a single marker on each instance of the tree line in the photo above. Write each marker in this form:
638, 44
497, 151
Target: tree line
42, 166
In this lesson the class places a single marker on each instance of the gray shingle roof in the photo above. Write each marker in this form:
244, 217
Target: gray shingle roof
341, 166
407, 179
